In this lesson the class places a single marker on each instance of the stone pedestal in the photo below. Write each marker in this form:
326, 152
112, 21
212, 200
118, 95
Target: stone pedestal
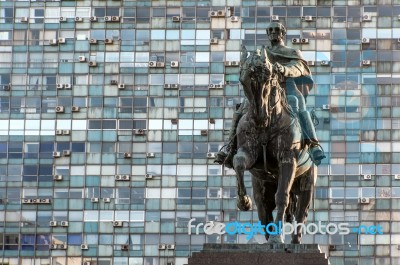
255, 254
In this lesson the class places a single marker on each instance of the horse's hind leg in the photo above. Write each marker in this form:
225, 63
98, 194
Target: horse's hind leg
303, 204
263, 193
241, 162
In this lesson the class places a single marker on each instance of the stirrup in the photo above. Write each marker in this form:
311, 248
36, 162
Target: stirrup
220, 157
316, 153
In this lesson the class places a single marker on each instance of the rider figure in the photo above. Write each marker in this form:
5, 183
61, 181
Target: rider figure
293, 74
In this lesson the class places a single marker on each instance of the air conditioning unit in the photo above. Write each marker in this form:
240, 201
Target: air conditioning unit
211, 86
93, 41
235, 19
124, 247
295, 40
53, 42
212, 120
332, 247
174, 86
150, 155
56, 154
24, 19
160, 64
397, 176
162, 246
174, 121
149, 176
57, 177
60, 86
115, 18
62, 246
53, 246
235, 63
118, 223
121, 86
92, 64
75, 109
7, 87
107, 200
228, 63
62, 19
66, 132
84, 246
139, 131
78, 19
166, 86
127, 155
67, 86
366, 62
61, 40
107, 18
44, 201
367, 177
326, 107
114, 82
325, 63
203, 132
304, 41
366, 18
171, 263
108, 41
174, 64
176, 18
213, 14
59, 132
214, 41
36, 200
310, 63
26, 201
82, 58
308, 18
53, 223
365, 40
87, 263
93, 19
364, 200
218, 86
170, 246
153, 64
221, 13
64, 223
94, 199
210, 155
66, 153
274, 18
122, 177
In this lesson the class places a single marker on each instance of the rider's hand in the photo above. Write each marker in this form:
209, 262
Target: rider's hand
279, 68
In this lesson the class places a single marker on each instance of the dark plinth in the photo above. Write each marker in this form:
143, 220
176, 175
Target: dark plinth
256, 254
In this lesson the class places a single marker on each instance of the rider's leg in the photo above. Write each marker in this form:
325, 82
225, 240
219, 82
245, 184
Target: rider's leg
306, 123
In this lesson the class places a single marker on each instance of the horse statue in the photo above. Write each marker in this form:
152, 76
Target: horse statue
271, 146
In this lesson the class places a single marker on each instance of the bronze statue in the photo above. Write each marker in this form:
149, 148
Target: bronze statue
268, 140
295, 77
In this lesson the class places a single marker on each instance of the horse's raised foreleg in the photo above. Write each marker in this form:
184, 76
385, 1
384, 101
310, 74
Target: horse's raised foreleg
241, 162
287, 171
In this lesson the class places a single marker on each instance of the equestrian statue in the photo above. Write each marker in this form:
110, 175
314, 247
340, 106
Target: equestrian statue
273, 135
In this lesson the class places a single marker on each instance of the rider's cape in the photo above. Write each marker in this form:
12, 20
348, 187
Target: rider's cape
304, 83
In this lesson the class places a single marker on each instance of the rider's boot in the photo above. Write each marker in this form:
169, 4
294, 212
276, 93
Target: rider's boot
317, 154
226, 158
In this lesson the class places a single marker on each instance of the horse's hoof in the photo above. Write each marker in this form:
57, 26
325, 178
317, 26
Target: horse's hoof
275, 239
244, 203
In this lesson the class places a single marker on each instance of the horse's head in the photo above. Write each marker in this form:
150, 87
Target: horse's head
258, 79
255, 67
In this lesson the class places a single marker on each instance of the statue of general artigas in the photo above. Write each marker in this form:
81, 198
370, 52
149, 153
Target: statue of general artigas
273, 135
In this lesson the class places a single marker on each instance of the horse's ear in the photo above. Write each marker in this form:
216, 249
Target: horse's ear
263, 54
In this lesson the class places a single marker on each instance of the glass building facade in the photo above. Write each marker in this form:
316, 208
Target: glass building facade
111, 111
